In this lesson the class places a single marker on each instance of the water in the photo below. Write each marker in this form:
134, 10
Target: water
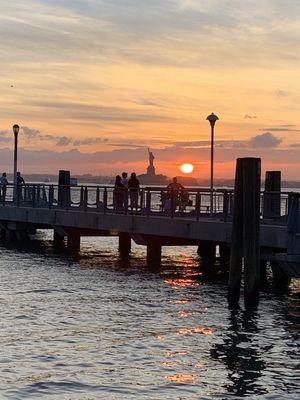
102, 328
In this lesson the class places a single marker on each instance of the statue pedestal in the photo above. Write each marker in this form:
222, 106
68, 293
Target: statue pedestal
151, 170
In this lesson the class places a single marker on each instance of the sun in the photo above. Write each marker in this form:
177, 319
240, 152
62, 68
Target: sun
187, 168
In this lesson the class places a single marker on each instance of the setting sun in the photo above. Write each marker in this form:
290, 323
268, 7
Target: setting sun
187, 168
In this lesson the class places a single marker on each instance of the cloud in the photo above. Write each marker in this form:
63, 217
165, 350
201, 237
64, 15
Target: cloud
161, 32
265, 140
248, 116
89, 141
283, 128
63, 141
93, 112
281, 93
59, 141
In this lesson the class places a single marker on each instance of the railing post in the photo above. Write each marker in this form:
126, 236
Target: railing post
105, 200
38, 194
142, 198
81, 201
51, 196
98, 197
85, 198
148, 202
126, 198
225, 205
197, 205
19, 194
173, 203
33, 196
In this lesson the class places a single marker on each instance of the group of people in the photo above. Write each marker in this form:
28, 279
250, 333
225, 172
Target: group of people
126, 188
4, 183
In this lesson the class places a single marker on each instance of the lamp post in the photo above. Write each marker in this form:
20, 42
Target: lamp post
212, 118
16, 129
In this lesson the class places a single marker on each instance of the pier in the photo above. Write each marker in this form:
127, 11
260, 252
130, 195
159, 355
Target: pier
72, 212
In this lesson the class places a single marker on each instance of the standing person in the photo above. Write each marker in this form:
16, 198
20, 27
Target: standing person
134, 187
119, 194
20, 179
3, 183
124, 180
174, 189
20, 182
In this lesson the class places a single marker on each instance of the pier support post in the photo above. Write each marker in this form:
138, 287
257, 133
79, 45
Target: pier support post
281, 281
245, 233
73, 242
207, 252
124, 243
236, 254
263, 273
224, 251
251, 228
64, 195
154, 254
58, 239
271, 203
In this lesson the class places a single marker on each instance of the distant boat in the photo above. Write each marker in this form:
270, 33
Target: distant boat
47, 180
73, 181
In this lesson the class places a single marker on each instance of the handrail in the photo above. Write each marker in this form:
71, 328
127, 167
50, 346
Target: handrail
148, 200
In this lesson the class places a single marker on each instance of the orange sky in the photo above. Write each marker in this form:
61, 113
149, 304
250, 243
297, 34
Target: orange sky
109, 79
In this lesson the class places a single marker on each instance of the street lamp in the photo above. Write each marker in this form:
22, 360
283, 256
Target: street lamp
16, 129
212, 118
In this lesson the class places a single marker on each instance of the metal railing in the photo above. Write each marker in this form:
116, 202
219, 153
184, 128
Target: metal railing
192, 202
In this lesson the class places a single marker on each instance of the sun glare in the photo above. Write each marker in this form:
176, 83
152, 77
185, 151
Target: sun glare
187, 168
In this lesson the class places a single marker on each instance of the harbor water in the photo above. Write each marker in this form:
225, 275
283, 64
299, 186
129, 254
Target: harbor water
99, 327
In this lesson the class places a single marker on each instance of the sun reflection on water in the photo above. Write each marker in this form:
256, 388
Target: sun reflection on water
182, 378
199, 329
181, 282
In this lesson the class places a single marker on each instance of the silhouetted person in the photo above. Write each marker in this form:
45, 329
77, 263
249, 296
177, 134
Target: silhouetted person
20, 183
174, 189
119, 192
133, 187
124, 180
20, 179
3, 183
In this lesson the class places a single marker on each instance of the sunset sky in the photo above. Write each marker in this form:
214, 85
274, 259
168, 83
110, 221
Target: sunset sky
93, 83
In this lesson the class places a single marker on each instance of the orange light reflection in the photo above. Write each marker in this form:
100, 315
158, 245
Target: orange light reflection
182, 378
200, 330
181, 282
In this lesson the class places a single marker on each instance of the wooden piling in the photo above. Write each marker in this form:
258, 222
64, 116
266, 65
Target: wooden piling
271, 203
58, 239
64, 189
124, 243
73, 242
236, 253
154, 254
207, 252
251, 227
245, 233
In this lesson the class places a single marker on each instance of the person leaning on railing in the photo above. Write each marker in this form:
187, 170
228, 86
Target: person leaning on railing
3, 184
174, 189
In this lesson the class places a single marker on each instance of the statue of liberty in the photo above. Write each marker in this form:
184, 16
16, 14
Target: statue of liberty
151, 168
